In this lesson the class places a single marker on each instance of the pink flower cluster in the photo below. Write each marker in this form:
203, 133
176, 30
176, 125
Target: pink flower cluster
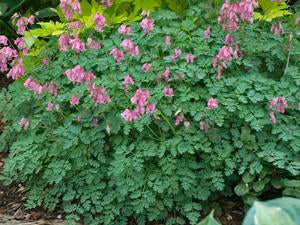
3, 40
129, 47
168, 41
17, 70
20, 43
107, 4
51, 88
98, 94
75, 25
147, 67
24, 123
176, 54
78, 75
93, 44
180, 118
63, 42
127, 81
22, 23
99, 21
76, 44
75, 100
225, 54
277, 29
7, 57
140, 100
232, 13
125, 30
278, 103
70, 7
34, 86
166, 74
190, 58
147, 24
212, 103
168, 92
207, 33
118, 55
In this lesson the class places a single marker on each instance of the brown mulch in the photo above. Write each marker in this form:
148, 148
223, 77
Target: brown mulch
12, 199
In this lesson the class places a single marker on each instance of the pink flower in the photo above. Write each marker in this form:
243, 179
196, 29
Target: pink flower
212, 103
279, 103
98, 94
51, 88
180, 118
16, 71
129, 47
168, 92
229, 39
203, 126
70, 7
128, 115
75, 25
63, 42
21, 25
189, 58
78, 117
147, 67
107, 3
166, 74
45, 62
77, 45
232, 13
272, 117
224, 54
25, 51
127, 81
78, 75
297, 22
277, 29
207, 33
32, 85
50, 106
168, 41
150, 108
31, 19
74, 100
147, 24
3, 67
176, 54
24, 123
118, 55
93, 44
186, 124
99, 20
125, 30
3, 40
140, 98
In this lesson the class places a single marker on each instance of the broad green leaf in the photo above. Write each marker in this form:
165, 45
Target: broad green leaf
209, 220
241, 189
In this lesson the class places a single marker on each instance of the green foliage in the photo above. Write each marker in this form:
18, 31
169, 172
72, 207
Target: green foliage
276, 212
270, 10
150, 169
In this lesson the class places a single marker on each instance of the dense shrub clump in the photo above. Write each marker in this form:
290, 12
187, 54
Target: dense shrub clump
152, 121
